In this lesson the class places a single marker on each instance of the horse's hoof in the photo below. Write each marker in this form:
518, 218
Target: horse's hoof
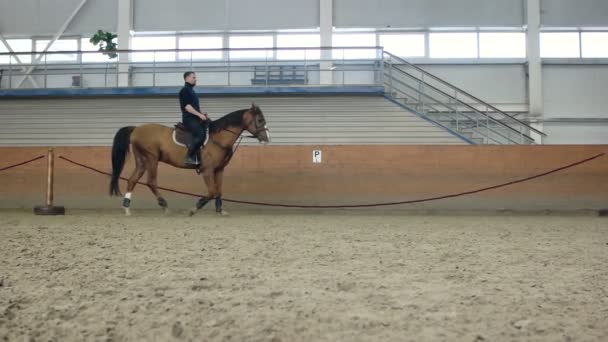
166, 211
222, 213
191, 212
127, 212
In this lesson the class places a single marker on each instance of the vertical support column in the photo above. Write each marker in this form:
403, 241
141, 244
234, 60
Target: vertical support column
326, 27
50, 177
226, 42
535, 77
125, 25
48, 208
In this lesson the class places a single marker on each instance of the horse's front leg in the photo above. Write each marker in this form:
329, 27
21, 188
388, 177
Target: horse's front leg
219, 205
209, 178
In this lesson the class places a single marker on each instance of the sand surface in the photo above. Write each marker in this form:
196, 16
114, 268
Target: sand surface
278, 276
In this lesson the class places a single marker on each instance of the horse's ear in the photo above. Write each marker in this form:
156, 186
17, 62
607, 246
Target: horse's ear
252, 106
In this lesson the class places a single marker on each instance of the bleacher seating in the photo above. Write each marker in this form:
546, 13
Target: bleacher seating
279, 74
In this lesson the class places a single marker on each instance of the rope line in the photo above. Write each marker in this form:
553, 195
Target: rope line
363, 205
22, 163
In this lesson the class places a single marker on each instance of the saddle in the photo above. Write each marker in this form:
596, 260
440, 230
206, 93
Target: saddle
183, 137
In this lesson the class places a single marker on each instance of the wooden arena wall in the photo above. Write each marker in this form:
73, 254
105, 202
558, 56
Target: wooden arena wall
346, 175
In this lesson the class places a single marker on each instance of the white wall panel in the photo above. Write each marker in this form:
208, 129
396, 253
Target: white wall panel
317, 119
185, 15
566, 13
496, 84
199, 15
26, 18
576, 133
575, 91
273, 14
428, 13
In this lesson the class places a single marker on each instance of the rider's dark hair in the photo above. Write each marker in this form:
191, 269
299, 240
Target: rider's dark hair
188, 73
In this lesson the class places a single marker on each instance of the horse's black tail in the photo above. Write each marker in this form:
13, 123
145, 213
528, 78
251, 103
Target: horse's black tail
120, 149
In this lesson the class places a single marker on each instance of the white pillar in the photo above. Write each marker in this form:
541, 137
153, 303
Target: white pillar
125, 25
535, 76
326, 28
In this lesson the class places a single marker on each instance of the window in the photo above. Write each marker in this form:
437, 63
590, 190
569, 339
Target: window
559, 45
200, 43
237, 42
86, 45
58, 45
354, 39
595, 44
20, 45
4, 59
403, 45
299, 40
153, 43
502, 45
453, 45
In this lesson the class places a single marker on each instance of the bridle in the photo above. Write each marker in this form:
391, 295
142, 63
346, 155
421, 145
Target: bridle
255, 134
257, 131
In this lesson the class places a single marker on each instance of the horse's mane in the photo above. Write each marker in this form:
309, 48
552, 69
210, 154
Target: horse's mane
233, 119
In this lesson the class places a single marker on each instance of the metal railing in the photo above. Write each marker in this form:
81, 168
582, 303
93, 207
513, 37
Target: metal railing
455, 108
216, 67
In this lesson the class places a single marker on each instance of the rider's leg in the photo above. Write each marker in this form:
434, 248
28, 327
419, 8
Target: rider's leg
193, 124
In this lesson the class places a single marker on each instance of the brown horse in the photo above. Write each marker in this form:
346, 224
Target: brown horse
153, 143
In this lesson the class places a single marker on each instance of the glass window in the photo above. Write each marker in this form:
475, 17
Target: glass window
403, 45
453, 45
58, 45
237, 42
502, 45
86, 45
207, 42
595, 44
153, 43
21, 45
4, 59
559, 45
299, 40
354, 39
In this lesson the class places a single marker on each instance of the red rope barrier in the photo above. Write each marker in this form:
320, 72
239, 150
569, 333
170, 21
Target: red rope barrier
22, 163
365, 205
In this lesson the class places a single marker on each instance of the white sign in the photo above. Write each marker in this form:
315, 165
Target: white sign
316, 156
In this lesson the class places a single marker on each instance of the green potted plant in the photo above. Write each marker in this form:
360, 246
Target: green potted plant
106, 43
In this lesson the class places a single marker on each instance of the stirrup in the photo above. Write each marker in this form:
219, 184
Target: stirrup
189, 160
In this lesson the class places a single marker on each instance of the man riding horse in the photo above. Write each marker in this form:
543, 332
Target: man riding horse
193, 118
154, 143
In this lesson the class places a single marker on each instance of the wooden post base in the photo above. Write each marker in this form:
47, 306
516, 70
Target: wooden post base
49, 210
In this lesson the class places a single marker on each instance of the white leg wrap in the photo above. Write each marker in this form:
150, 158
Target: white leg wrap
268, 133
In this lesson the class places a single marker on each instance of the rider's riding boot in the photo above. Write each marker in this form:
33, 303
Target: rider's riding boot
191, 157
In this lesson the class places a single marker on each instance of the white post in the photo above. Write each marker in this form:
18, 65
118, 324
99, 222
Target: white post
326, 28
535, 76
125, 25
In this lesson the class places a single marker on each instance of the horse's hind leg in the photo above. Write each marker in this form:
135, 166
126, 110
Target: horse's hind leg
140, 169
152, 182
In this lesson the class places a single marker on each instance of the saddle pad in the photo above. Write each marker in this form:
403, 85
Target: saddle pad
184, 138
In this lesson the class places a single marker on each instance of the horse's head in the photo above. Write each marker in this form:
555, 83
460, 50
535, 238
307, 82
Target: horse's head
255, 123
